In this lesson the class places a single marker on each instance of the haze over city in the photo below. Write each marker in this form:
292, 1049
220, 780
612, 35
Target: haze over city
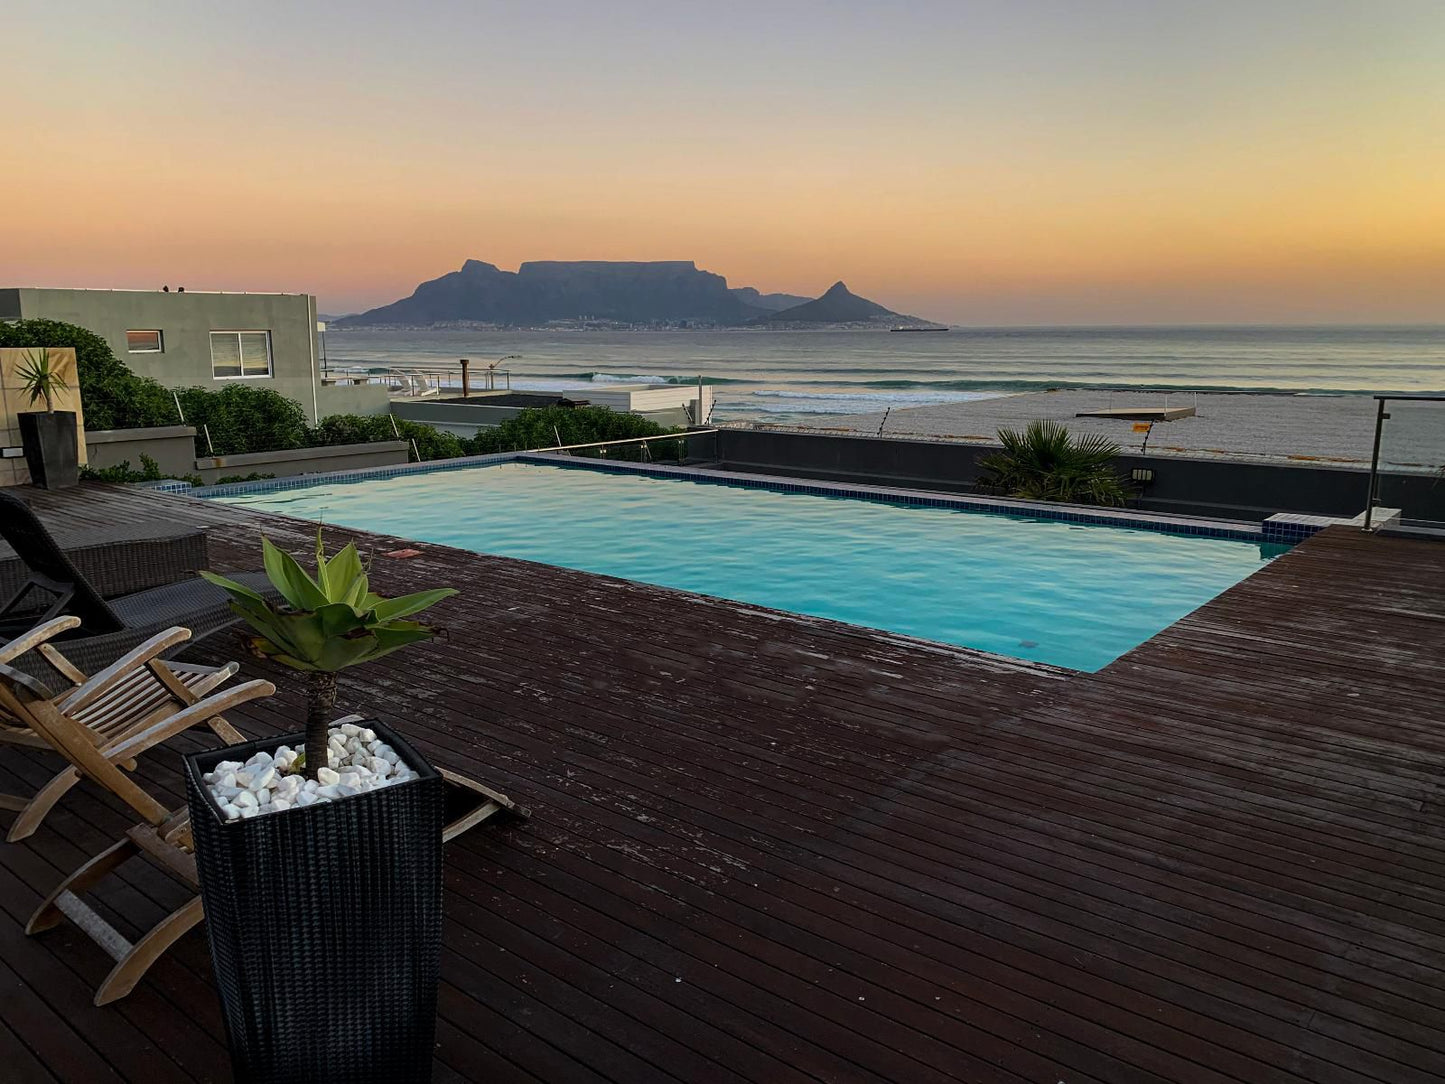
983, 163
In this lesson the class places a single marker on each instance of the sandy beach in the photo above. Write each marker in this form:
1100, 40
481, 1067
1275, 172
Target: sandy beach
1328, 428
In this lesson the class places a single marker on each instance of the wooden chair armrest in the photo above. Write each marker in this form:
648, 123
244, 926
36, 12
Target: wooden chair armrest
133, 659
183, 720
22, 680
63, 666
36, 636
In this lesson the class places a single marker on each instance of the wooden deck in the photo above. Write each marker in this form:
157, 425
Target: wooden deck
771, 848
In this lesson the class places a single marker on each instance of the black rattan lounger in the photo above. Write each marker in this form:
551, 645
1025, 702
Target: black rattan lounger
108, 629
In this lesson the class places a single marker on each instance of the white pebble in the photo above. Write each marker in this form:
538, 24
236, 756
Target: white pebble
358, 762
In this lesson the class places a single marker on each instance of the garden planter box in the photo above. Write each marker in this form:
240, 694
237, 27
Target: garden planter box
325, 925
50, 448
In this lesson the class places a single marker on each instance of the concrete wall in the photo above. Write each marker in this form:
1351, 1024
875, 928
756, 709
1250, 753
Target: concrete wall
186, 321
382, 453
173, 447
1205, 487
463, 419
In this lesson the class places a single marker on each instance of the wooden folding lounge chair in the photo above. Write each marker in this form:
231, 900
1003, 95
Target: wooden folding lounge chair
468, 803
163, 836
109, 708
107, 629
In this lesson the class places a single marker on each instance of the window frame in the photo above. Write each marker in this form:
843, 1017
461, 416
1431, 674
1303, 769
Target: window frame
270, 372
160, 347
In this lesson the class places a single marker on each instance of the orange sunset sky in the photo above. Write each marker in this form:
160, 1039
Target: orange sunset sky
1024, 162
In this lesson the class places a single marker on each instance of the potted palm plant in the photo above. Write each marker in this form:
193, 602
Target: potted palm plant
1045, 463
48, 436
319, 853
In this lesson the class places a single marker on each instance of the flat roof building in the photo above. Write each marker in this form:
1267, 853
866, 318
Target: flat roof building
188, 339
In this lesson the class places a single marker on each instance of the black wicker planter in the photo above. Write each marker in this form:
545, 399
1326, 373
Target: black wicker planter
325, 925
50, 451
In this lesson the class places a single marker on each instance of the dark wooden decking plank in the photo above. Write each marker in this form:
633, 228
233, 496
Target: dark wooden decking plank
642, 844
1197, 861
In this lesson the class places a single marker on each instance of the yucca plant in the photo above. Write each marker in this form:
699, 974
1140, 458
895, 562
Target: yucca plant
1043, 462
40, 379
328, 622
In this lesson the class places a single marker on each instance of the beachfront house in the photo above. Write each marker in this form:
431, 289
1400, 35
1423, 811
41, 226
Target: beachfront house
186, 339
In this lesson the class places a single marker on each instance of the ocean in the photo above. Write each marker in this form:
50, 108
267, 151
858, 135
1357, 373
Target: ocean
791, 375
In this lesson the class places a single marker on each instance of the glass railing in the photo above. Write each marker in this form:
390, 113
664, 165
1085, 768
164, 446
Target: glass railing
1407, 470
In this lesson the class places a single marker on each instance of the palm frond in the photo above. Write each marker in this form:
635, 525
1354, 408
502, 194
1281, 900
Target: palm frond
1044, 462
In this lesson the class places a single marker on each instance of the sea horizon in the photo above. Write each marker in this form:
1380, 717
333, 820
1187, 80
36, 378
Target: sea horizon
778, 375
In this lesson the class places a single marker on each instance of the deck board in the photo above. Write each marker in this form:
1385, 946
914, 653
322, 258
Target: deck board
768, 847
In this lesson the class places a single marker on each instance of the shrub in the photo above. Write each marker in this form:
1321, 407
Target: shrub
543, 427
431, 443
1045, 463
121, 474
114, 397
244, 418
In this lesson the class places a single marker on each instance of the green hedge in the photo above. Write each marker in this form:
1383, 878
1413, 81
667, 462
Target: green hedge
114, 397
431, 443
244, 418
542, 428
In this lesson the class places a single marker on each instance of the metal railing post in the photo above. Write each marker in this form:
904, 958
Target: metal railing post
1380, 417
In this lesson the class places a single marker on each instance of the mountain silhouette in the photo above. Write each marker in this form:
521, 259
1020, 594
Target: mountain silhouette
838, 306
662, 292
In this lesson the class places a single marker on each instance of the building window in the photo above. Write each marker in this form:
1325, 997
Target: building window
238, 354
143, 342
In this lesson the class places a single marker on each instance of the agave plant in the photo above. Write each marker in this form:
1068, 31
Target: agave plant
1043, 462
328, 622
40, 379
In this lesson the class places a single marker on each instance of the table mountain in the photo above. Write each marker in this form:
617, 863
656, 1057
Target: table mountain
668, 291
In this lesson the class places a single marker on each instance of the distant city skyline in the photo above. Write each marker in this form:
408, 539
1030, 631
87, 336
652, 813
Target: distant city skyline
1000, 163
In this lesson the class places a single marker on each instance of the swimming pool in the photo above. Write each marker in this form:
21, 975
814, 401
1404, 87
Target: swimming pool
1069, 594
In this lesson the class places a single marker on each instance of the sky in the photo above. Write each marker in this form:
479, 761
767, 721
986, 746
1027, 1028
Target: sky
987, 163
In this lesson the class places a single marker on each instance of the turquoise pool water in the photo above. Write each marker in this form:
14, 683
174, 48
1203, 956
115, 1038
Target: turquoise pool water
1076, 596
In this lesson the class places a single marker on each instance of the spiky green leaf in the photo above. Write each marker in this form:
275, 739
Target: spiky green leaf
406, 605
289, 578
